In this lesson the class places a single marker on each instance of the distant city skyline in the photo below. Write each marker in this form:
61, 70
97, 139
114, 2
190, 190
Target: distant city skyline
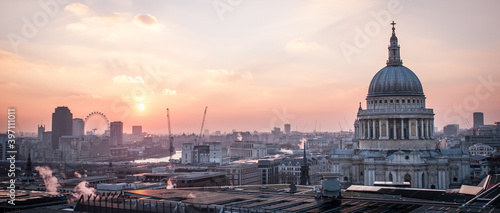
257, 66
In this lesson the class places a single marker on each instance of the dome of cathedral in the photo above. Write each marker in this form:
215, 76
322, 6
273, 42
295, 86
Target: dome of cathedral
395, 81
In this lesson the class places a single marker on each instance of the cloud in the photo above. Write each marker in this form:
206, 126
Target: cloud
76, 26
223, 75
300, 46
145, 20
169, 92
127, 79
78, 9
99, 25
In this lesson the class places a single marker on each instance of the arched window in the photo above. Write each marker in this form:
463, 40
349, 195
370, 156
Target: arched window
407, 178
390, 177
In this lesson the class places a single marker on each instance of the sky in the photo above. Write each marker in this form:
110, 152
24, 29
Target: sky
256, 64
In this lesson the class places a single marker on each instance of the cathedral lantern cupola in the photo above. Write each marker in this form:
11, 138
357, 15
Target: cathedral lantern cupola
395, 116
394, 51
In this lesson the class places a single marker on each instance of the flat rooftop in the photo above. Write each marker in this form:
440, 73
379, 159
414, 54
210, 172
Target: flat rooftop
276, 197
186, 175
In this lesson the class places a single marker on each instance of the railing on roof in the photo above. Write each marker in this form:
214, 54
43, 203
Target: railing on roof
396, 110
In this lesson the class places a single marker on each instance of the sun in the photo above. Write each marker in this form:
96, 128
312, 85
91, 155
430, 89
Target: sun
141, 106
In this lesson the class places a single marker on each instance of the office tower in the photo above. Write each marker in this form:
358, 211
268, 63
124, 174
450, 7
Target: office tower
41, 130
137, 130
450, 130
287, 129
62, 124
78, 126
116, 133
478, 119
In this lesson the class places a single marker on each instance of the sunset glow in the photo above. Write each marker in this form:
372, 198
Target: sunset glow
141, 107
257, 66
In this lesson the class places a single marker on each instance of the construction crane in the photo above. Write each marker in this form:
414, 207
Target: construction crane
170, 137
347, 124
202, 124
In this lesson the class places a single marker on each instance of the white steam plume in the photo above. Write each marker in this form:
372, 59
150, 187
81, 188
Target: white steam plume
239, 137
77, 175
83, 189
286, 151
302, 143
170, 185
51, 182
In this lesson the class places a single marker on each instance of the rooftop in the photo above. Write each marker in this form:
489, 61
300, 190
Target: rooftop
276, 198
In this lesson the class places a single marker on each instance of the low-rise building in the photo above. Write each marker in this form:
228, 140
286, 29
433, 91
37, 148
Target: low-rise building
317, 143
119, 152
240, 173
191, 179
269, 170
217, 153
479, 166
83, 148
248, 149
481, 149
209, 152
289, 170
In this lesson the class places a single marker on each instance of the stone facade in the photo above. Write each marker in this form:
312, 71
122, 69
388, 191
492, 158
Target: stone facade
395, 135
248, 149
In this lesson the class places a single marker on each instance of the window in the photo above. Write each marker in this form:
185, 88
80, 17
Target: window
403, 101
397, 101
407, 157
380, 101
391, 101
413, 101
385, 101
